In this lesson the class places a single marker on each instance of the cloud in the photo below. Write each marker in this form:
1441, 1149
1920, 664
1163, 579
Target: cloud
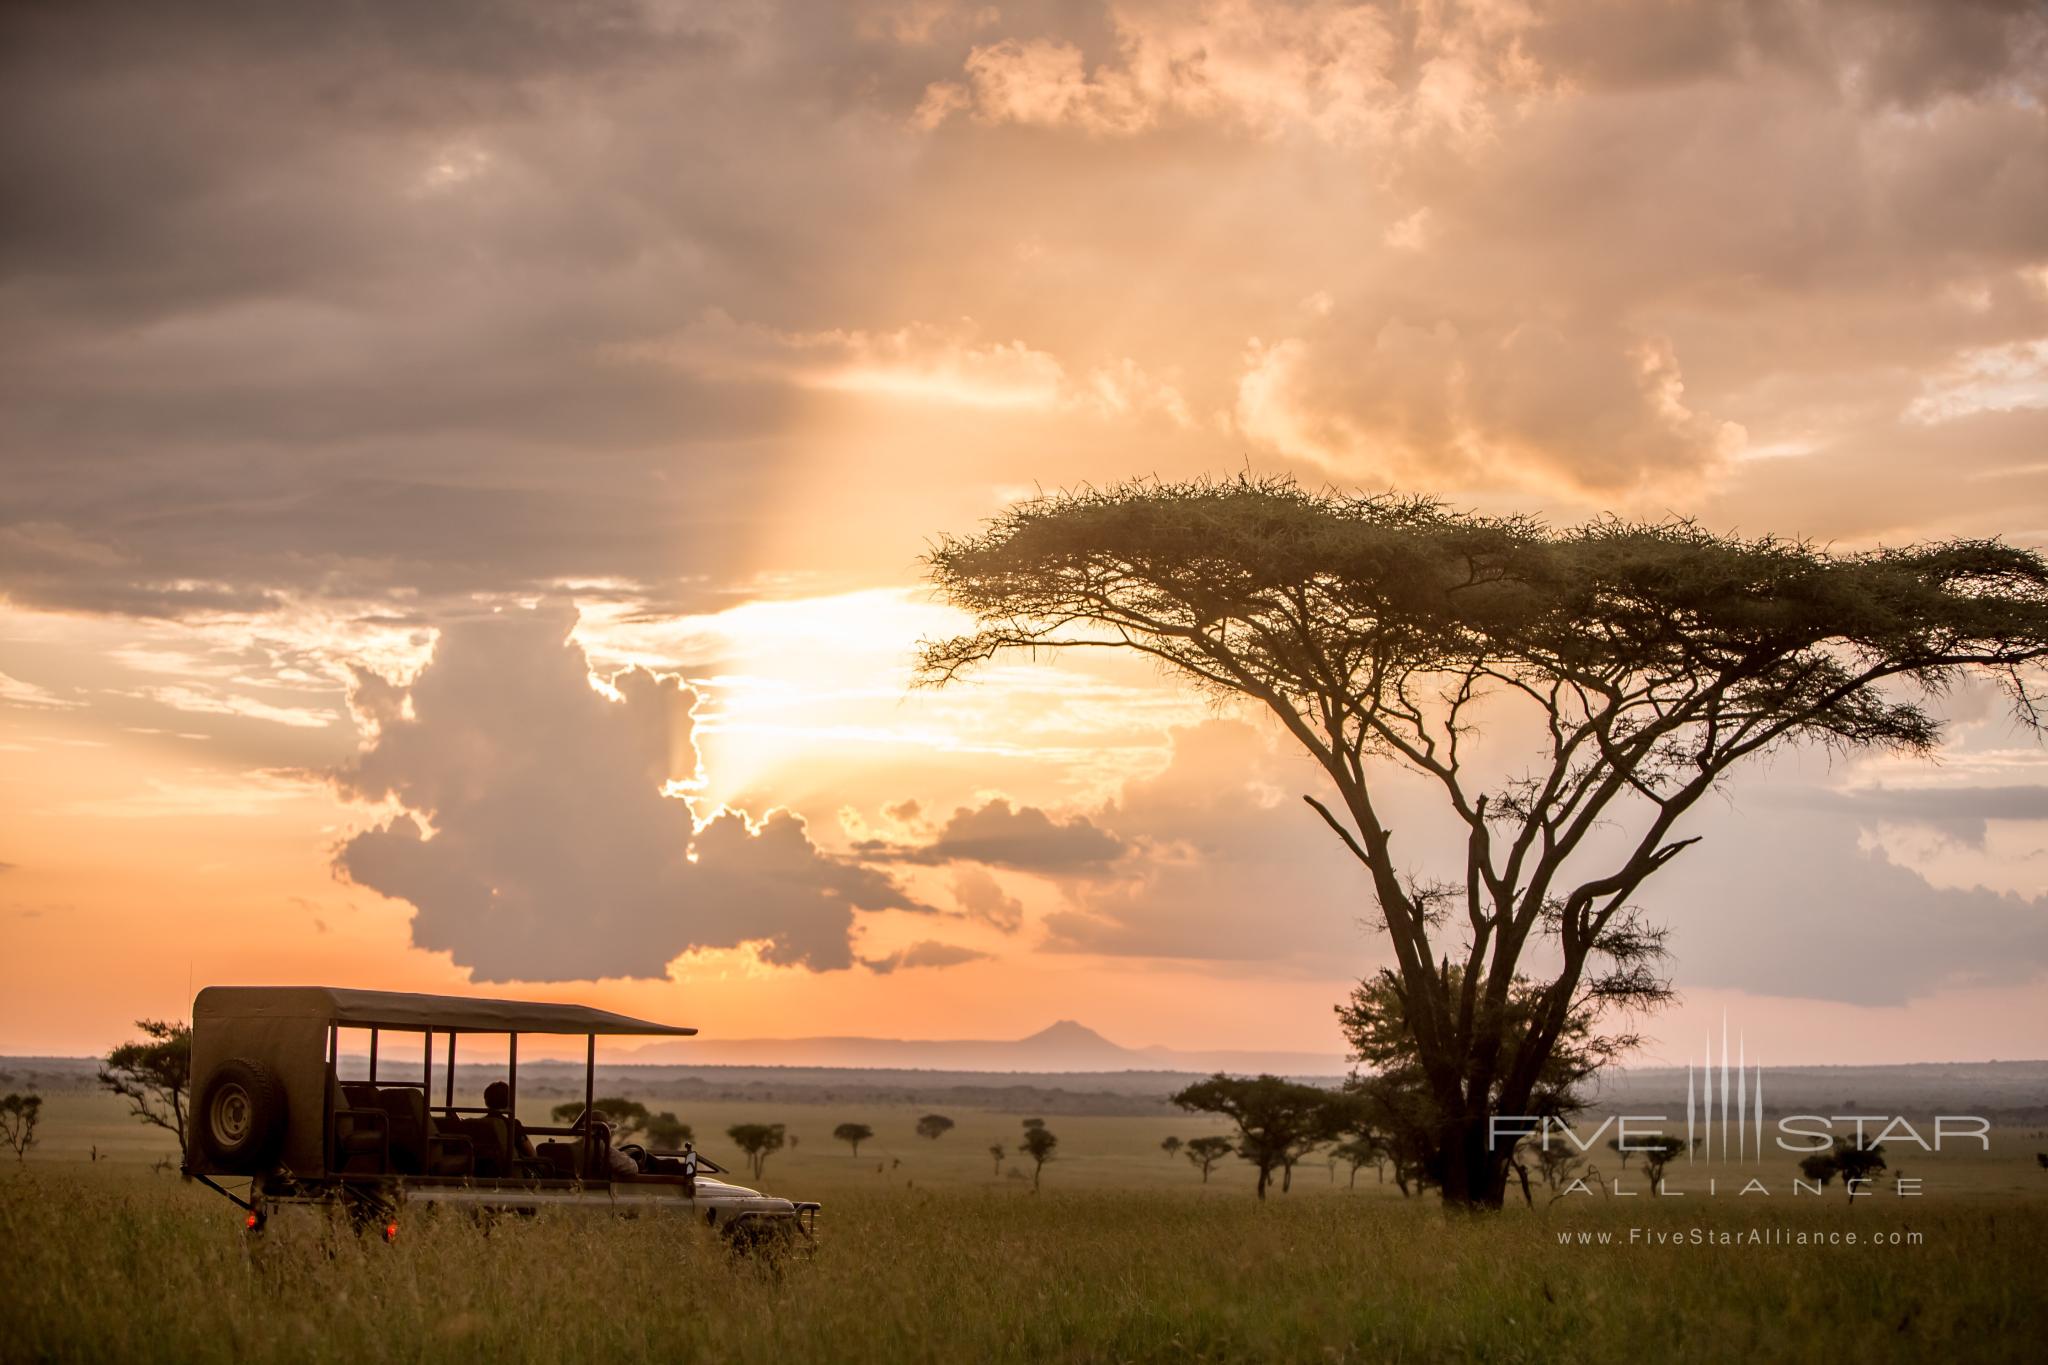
927, 953
1960, 813
535, 842
1530, 403
15, 692
1233, 866
946, 366
980, 896
1338, 72
1800, 908
1003, 835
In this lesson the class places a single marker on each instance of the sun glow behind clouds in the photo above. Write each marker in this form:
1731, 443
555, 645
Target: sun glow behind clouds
808, 693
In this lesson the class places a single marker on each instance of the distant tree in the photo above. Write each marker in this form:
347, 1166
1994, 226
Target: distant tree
1037, 1144
758, 1141
2042, 1159
668, 1133
995, 1149
626, 1117
18, 1117
1648, 661
155, 1077
1356, 1152
1625, 1153
1034, 1123
1857, 1161
1170, 1146
1277, 1120
1205, 1152
1557, 1163
853, 1134
934, 1126
1657, 1153
1820, 1167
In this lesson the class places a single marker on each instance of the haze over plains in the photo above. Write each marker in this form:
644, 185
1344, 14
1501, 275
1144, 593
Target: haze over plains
463, 473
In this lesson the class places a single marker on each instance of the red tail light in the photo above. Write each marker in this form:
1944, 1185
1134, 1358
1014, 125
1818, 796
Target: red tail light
391, 1232
251, 1221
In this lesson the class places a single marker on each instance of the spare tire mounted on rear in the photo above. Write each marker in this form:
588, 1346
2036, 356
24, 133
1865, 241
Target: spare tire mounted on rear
240, 1116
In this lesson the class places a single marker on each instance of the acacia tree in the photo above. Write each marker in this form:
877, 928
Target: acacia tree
1205, 1152
1278, 1121
1037, 1144
853, 1135
758, 1141
1647, 660
1362, 1150
155, 1077
934, 1126
19, 1115
626, 1117
995, 1150
1169, 1145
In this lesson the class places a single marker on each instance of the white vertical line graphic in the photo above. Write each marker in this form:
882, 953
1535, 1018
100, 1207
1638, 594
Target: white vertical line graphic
1707, 1096
1724, 1085
1690, 1144
1741, 1098
1759, 1110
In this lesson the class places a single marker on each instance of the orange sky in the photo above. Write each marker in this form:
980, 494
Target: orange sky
326, 421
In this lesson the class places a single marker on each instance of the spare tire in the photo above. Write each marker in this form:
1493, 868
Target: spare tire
240, 1117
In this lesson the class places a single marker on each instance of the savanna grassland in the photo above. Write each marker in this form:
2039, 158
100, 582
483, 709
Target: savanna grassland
927, 1253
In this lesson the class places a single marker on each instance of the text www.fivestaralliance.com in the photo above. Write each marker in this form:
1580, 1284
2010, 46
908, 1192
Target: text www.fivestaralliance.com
1739, 1237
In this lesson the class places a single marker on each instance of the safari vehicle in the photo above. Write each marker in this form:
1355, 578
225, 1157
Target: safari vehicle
270, 1103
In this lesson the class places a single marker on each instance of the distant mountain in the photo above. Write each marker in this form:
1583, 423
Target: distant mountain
1063, 1046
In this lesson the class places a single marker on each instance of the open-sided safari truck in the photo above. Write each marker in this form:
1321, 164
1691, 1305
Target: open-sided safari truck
271, 1102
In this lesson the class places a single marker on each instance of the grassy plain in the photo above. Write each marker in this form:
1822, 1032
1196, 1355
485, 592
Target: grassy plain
1124, 1256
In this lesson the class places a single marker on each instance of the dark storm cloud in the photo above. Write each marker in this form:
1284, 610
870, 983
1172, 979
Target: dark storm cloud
1003, 835
535, 843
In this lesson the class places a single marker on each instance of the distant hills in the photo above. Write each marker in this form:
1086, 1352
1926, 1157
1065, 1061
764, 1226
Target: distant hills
1065, 1046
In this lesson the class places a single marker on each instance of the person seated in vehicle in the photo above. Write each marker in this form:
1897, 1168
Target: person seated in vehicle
498, 1104
617, 1164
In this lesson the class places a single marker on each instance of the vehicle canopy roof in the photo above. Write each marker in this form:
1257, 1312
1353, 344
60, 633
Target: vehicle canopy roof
408, 1010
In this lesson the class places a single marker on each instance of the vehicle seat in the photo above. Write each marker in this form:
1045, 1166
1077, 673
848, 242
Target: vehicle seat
359, 1133
490, 1138
418, 1146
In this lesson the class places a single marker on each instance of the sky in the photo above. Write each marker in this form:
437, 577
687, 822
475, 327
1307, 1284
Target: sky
465, 471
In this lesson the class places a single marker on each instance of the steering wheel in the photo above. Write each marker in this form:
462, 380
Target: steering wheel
635, 1151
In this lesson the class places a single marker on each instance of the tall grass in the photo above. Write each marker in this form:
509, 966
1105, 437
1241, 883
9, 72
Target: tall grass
123, 1266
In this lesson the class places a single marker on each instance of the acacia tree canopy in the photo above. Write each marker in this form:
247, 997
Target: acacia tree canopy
1648, 658
155, 1077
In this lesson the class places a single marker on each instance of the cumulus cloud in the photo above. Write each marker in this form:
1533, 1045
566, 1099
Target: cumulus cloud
1003, 835
980, 896
535, 841
1234, 867
1346, 73
1531, 403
